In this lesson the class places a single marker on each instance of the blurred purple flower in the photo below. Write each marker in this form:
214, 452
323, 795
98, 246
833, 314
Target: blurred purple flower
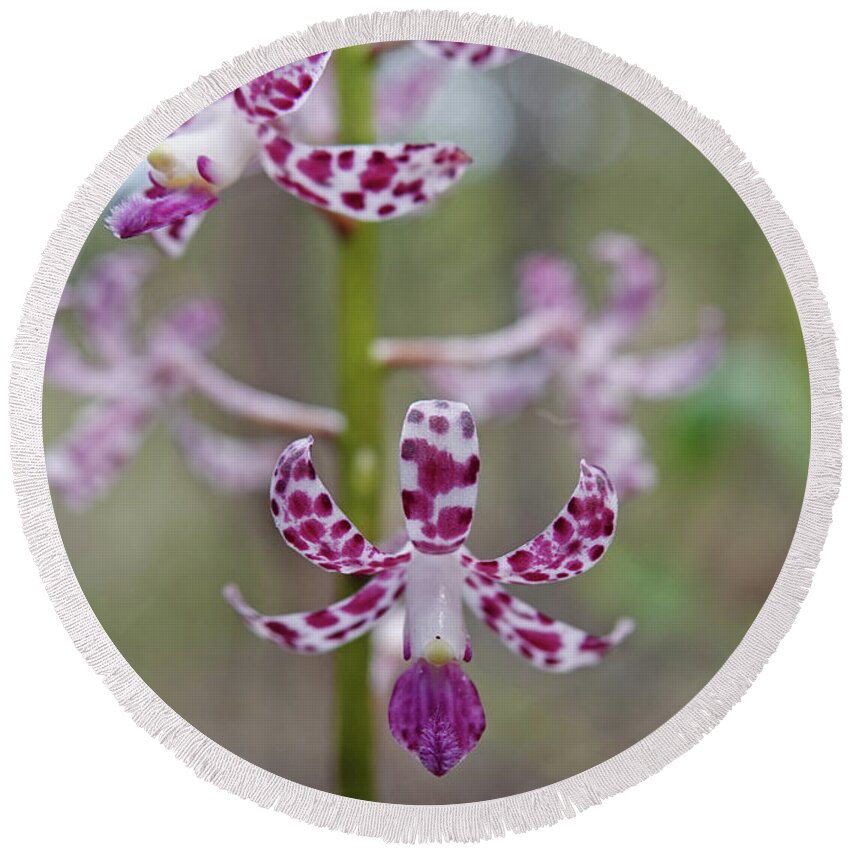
252, 125
480, 56
557, 340
131, 382
435, 711
229, 464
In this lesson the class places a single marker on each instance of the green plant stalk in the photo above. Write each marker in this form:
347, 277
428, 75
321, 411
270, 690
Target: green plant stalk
359, 393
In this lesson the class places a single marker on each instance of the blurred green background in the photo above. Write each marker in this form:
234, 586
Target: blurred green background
559, 158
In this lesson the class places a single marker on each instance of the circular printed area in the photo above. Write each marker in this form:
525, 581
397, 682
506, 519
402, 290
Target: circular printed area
558, 399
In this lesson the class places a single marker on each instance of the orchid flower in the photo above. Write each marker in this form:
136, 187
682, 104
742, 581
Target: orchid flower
131, 382
557, 340
252, 125
435, 711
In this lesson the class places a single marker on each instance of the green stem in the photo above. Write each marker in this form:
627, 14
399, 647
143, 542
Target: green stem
360, 445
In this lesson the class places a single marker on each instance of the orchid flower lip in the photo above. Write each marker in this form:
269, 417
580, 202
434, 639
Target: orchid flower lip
136, 215
435, 713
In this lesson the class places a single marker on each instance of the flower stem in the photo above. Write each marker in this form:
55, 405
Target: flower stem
360, 444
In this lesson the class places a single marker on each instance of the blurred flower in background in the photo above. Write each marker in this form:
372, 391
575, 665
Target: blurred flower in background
556, 340
132, 382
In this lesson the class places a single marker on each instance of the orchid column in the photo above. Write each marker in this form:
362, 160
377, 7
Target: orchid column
360, 400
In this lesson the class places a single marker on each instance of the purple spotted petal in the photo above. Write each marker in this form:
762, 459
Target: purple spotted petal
547, 643
318, 121
366, 182
575, 541
435, 713
439, 474
670, 373
312, 524
498, 389
106, 300
228, 464
636, 278
281, 91
141, 214
328, 628
480, 56
83, 466
548, 282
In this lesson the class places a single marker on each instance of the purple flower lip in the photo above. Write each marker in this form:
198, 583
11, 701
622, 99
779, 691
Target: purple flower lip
139, 214
436, 714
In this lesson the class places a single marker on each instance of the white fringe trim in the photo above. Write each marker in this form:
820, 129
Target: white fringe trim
469, 821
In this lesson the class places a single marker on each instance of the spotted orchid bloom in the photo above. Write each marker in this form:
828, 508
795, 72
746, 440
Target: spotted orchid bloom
435, 711
131, 380
558, 341
252, 126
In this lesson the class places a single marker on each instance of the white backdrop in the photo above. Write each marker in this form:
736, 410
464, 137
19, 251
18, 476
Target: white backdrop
76, 770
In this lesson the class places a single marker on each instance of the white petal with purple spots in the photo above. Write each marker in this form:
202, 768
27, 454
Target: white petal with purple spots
546, 643
310, 521
439, 474
366, 182
575, 540
282, 91
328, 628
